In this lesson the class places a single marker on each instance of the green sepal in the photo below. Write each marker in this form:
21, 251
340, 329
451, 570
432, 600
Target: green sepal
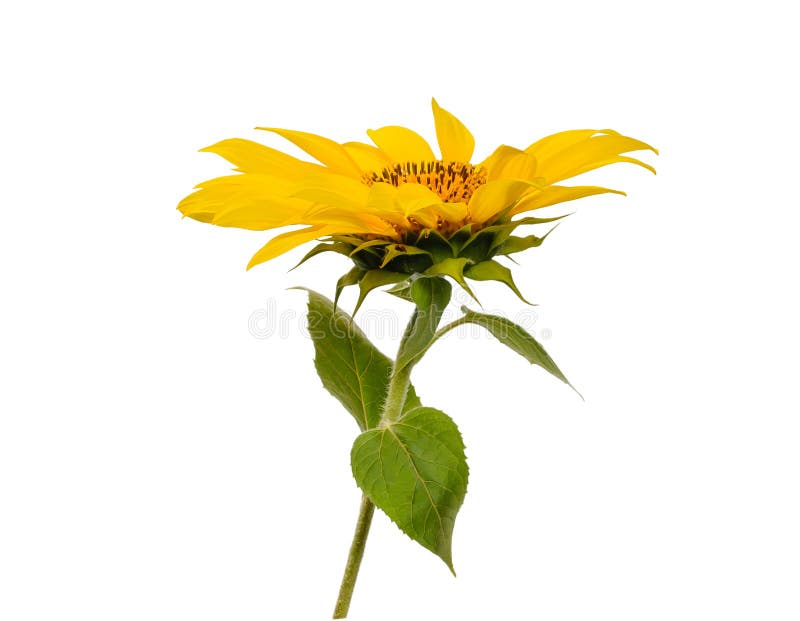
531, 220
437, 246
492, 270
516, 338
458, 239
402, 290
373, 279
340, 247
347, 239
478, 247
415, 470
431, 295
400, 250
484, 239
454, 268
518, 244
490, 238
369, 244
351, 368
350, 278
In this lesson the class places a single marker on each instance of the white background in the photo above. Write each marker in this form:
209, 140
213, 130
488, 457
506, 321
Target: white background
160, 461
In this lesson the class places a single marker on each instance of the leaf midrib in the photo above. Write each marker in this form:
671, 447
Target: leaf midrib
419, 478
358, 374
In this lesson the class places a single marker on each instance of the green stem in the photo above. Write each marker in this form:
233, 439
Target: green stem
396, 394
354, 558
392, 408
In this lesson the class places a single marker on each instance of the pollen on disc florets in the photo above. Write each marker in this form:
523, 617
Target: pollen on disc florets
454, 182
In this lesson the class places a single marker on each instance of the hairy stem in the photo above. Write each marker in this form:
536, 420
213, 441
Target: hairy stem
392, 408
396, 394
354, 558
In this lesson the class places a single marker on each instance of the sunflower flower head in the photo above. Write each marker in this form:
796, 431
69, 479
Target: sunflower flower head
395, 208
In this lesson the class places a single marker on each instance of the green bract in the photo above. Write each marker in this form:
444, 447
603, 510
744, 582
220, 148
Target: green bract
468, 254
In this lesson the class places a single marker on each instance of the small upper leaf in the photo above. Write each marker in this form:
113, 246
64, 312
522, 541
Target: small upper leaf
517, 338
351, 368
415, 470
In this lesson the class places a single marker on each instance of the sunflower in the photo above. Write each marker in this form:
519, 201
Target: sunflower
395, 208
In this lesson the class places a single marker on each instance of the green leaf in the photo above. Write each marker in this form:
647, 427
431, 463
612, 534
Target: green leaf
515, 337
376, 278
492, 270
431, 294
415, 470
351, 368
454, 268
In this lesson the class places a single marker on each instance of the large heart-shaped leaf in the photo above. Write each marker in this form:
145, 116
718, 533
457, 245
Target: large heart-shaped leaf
351, 368
415, 470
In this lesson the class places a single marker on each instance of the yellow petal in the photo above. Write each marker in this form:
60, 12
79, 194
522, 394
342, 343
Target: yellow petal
250, 182
324, 150
428, 217
224, 193
397, 204
386, 199
588, 154
261, 214
510, 163
401, 144
287, 241
367, 157
348, 221
500, 152
334, 190
495, 196
252, 157
554, 194
383, 200
455, 140
416, 196
419, 203
454, 212
552, 144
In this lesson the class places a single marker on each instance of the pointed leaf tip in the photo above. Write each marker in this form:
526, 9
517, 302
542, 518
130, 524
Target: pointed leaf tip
517, 339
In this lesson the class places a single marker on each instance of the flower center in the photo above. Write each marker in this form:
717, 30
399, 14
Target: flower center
454, 182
